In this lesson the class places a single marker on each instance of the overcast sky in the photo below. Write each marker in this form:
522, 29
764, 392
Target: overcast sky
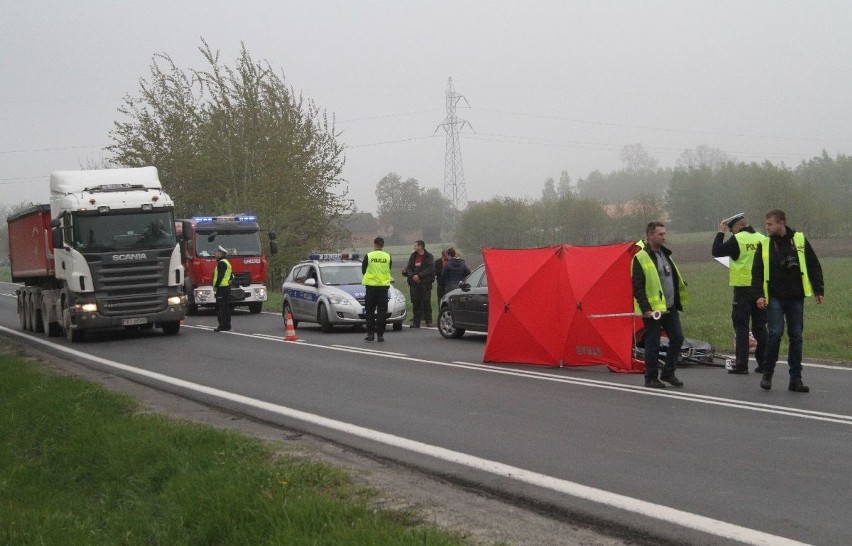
553, 86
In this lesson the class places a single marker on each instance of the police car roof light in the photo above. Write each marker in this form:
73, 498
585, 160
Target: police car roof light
333, 256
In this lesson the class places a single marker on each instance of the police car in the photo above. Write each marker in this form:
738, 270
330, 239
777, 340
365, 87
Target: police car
326, 289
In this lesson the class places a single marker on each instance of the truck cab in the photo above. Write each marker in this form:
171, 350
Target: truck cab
240, 235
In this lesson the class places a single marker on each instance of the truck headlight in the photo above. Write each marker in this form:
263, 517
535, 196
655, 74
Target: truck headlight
88, 307
204, 295
260, 293
177, 300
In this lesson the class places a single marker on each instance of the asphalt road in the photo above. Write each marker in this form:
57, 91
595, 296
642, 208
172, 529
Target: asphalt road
719, 461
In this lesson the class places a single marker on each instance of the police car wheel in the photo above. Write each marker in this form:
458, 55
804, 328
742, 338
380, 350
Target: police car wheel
397, 326
326, 325
287, 311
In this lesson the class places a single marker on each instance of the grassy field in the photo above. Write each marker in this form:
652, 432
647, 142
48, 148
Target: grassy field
81, 465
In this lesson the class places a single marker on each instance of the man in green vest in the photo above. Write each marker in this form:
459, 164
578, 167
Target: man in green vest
786, 271
659, 292
376, 268
222, 286
741, 248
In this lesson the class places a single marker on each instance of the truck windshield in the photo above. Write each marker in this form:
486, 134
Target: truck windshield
137, 230
237, 243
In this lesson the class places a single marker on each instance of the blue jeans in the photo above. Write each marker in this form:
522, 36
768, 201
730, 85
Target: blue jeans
793, 313
653, 328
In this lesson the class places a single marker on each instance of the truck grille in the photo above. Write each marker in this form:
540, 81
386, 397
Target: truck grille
133, 287
243, 278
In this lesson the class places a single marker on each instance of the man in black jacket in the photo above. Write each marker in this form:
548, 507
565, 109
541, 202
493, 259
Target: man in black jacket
420, 272
786, 271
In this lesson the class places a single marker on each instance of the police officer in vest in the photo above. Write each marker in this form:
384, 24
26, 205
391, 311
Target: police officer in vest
222, 286
376, 268
786, 271
740, 248
659, 292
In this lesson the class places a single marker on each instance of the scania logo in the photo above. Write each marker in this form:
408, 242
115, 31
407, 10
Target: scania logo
129, 257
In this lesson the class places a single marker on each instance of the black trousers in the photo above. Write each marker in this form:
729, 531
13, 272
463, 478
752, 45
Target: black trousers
743, 310
223, 307
421, 301
376, 302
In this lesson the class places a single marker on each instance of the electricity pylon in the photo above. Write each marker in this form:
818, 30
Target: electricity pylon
454, 190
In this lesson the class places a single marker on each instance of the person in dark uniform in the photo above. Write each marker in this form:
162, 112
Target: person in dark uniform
222, 286
740, 248
376, 268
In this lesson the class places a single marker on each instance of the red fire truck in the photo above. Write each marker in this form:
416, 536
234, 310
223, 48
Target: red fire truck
239, 234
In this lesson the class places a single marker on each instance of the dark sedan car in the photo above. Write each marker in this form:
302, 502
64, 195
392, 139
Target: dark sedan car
466, 307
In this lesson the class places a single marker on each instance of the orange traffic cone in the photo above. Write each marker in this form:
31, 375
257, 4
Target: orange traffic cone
290, 334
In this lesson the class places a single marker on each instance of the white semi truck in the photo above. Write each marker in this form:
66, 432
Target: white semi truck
103, 254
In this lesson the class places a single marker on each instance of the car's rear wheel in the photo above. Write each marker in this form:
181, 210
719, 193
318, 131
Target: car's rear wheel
446, 326
322, 317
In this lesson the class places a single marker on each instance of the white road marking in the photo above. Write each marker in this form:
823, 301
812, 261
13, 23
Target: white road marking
656, 511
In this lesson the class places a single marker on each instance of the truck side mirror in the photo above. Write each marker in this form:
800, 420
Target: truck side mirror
56, 236
272, 235
273, 247
186, 229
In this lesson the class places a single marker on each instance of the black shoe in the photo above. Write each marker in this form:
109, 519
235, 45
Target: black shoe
672, 380
428, 325
380, 338
654, 384
369, 337
759, 369
766, 381
738, 371
796, 385
414, 325
220, 329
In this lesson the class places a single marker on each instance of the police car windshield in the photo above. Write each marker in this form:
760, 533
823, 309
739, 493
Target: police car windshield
337, 275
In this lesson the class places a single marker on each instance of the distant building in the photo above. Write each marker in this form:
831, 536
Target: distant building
363, 226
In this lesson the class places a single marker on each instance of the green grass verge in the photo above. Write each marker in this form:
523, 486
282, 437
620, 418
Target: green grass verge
79, 465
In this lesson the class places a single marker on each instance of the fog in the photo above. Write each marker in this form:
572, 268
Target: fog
552, 86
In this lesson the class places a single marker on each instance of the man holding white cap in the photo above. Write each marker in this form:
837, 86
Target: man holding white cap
222, 286
741, 248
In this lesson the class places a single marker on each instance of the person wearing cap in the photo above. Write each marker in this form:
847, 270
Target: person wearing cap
376, 268
741, 248
222, 286
786, 270
659, 292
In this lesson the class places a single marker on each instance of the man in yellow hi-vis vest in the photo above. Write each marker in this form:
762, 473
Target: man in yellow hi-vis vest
376, 268
222, 286
786, 271
659, 292
741, 248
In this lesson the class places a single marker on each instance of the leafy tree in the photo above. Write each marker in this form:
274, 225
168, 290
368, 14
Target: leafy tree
702, 156
636, 159
398, 203
549, 191
238, 139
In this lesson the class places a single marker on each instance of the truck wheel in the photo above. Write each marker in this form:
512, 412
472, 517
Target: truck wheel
22, 309
37, 317
326, 325
255, 307
52, 328
73, 336
171, 328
